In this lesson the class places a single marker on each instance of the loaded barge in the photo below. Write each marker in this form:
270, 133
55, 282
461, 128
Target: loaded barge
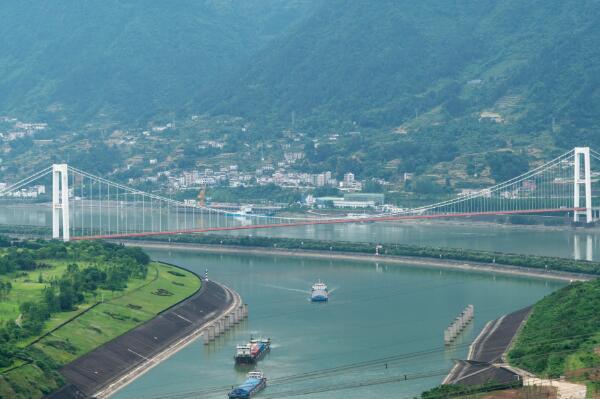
253, 351
255, 383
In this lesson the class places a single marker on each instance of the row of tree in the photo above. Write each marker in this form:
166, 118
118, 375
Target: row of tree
460, 254
112, 267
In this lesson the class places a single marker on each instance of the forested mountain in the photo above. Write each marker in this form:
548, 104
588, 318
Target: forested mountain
416, 83
125, 59
381, 64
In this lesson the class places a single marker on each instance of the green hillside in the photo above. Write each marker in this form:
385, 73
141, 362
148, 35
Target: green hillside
429, 87
59, 301
562, 335
125, 61
432, 65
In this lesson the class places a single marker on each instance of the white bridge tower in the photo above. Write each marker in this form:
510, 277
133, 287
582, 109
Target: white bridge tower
60, 201
582, 153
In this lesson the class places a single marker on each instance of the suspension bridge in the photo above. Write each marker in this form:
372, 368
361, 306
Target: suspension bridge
85, 206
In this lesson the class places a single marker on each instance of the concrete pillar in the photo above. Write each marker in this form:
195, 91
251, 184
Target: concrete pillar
245, 310
60, 201
586, 181
226, 321
221, 325
217, 329
206, 338
211, 332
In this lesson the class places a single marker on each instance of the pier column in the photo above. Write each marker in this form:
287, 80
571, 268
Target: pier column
245, 310
60, 201
582, 153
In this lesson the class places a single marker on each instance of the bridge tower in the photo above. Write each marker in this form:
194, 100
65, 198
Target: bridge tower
582, 154
60, 201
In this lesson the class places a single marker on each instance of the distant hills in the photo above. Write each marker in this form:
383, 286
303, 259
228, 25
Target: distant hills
381, 64
480, 76
127, 60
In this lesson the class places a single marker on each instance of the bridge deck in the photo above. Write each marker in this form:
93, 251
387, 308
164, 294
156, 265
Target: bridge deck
328, 221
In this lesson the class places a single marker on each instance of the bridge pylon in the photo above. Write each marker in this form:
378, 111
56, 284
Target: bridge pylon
585, 180
60, 202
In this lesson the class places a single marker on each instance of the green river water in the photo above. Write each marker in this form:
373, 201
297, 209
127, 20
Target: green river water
375, 311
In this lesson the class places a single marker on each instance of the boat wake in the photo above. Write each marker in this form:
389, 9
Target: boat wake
285, 288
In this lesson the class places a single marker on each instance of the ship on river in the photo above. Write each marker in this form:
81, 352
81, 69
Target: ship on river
253, 351
319, 292
255, 382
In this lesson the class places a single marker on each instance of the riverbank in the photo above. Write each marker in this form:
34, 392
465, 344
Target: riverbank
400, 260
71, 298
112, 366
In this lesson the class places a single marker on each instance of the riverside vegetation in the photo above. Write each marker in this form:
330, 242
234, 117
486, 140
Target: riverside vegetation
60, 300
459, 254
562, 336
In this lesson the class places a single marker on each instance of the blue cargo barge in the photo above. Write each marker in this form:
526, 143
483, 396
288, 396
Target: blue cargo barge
255, 383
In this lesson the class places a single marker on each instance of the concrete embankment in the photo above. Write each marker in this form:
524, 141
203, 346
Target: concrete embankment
406, 260
485, 361
113, 365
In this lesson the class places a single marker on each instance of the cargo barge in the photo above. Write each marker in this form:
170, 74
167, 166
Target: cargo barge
255, 383
253, 351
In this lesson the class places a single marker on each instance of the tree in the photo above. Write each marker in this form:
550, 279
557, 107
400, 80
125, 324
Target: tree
5, 288
426, 185
505, 165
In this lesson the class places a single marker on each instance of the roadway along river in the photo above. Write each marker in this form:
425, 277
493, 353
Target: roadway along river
375, 311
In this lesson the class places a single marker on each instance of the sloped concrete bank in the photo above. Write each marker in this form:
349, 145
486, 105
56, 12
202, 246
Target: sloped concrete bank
485, 359
113, 365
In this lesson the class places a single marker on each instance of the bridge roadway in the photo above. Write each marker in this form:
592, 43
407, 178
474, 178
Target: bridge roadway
112, 365
485, 359
309, 222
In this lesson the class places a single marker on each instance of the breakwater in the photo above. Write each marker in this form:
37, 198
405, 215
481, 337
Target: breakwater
544, 264
225, 323
458, 324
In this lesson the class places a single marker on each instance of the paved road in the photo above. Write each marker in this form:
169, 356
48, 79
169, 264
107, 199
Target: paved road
97, 369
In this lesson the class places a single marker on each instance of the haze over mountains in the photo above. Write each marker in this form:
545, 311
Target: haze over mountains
431, 66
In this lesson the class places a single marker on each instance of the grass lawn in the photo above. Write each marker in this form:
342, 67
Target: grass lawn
120, 312
88, 326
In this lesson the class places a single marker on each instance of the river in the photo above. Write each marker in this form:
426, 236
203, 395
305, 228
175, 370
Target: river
376, 311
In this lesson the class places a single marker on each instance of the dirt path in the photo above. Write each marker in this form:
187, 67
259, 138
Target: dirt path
565, 390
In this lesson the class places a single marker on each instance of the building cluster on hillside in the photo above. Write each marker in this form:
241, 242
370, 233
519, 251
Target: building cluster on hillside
268, 174
14, 129
27, 192
348, 201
